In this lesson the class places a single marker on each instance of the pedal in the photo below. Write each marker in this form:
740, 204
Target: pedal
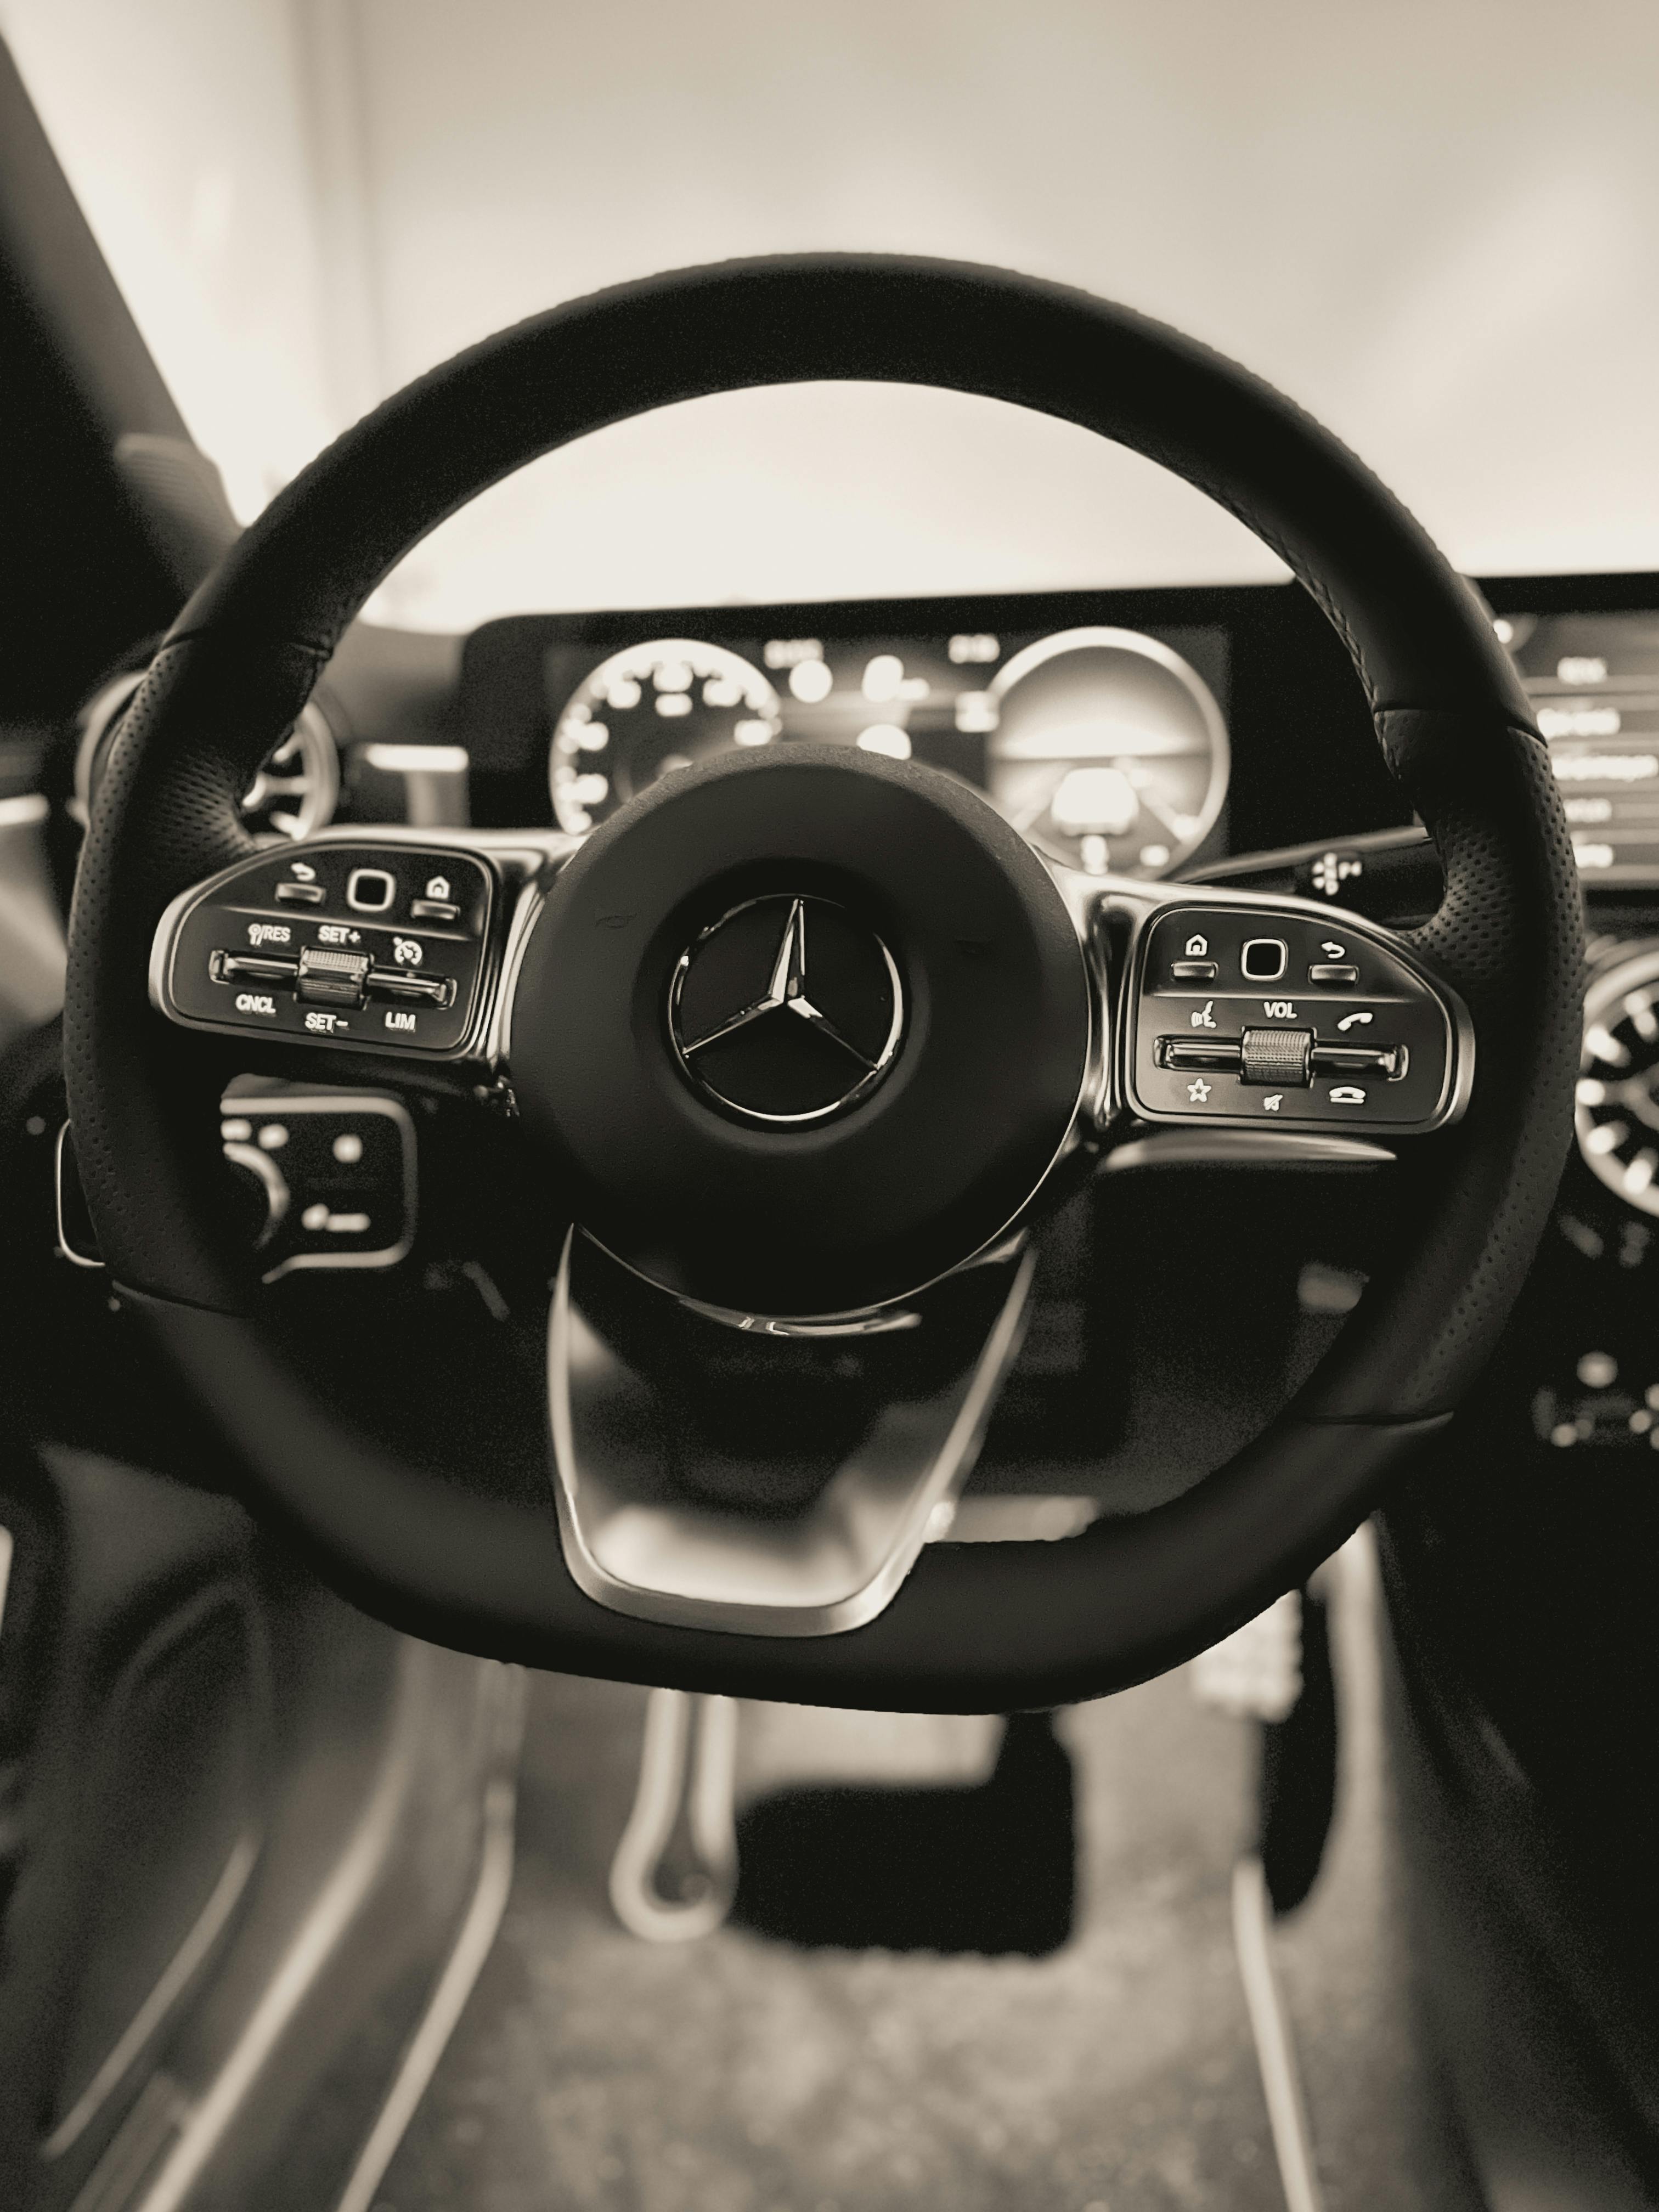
1276, 1670
676, 1868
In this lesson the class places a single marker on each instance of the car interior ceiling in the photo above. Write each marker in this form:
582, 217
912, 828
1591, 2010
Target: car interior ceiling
195, 1728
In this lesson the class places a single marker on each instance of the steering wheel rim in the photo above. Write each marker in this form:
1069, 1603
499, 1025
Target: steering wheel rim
973, 1627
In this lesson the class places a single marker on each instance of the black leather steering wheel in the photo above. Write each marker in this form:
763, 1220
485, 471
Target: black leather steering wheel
1031, 1016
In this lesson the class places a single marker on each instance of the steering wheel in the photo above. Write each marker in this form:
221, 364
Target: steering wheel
803, 1040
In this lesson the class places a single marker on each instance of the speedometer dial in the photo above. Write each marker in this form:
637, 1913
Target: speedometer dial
1109, 751
646, 712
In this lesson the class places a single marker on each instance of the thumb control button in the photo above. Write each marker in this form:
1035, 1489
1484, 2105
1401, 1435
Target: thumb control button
1277, 1057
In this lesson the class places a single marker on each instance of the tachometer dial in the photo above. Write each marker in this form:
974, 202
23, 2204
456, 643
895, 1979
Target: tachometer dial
1617, 1116
1109, 751
647, 712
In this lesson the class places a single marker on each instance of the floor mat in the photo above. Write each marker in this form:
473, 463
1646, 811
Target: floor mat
741, 2073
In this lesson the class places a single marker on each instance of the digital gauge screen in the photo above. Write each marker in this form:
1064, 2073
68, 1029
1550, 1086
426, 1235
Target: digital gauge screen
1107, 749
1106, 746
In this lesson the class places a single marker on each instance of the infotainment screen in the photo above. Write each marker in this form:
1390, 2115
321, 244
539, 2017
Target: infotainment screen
1593, 682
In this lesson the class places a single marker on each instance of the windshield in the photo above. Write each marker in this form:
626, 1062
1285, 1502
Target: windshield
1433, 224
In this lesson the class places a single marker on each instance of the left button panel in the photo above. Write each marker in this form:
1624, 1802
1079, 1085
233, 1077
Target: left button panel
296, 944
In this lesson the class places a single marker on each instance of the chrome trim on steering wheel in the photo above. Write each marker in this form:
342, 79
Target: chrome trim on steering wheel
635, 1544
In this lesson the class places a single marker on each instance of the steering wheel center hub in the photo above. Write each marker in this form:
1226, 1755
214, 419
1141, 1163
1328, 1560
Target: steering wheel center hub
809, 1029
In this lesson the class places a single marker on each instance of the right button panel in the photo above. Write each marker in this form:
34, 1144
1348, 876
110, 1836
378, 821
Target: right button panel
1284, 1019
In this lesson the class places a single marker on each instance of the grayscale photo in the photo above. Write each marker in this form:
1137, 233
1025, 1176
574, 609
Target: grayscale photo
829, 1106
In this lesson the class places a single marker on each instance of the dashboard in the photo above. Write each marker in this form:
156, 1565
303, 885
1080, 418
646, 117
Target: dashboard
1144, 734
1204, 732
1132, 733
1214, 734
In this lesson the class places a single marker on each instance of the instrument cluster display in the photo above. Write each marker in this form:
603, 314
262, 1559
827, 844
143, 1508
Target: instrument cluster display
1106, 747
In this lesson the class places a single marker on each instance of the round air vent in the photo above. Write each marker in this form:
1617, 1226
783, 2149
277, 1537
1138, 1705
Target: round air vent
293, 795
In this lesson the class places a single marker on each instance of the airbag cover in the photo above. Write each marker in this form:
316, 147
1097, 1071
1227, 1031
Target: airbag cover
923, 1167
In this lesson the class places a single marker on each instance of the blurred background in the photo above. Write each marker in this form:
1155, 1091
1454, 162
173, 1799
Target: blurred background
1435, 225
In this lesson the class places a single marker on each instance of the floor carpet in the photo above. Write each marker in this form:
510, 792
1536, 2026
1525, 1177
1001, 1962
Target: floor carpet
1114, 2074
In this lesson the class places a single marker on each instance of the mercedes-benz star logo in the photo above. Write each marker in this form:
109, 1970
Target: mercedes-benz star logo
786, 1010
